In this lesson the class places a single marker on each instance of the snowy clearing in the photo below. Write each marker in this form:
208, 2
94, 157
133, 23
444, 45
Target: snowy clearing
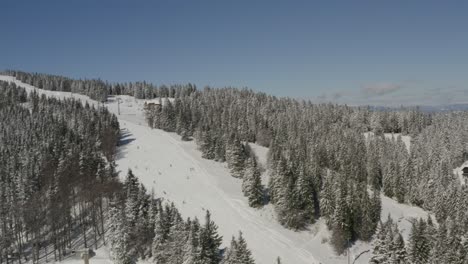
174, 170
102, 257
393, 136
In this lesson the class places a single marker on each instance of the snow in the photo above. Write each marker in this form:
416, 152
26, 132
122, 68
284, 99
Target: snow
458, 171
402, 214
101, 257
261, 153
393, 136
174, 170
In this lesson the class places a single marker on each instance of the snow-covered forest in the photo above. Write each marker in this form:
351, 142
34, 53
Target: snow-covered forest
56, 172
58, 184
326, 162
321, 164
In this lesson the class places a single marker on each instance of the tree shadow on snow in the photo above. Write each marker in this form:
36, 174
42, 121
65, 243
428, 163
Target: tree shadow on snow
125, 137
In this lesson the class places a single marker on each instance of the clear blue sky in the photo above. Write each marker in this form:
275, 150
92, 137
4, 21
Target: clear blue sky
357, 52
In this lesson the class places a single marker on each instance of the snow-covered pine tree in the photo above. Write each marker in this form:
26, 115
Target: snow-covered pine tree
168, 122
231, 253
398, 250
243, 254
252, 183
341, 226
209, 242
327, 199
119, 235
177, 238
192, 246
379, 247
220, 148
276, 180
207, 146
367, 225
160, 238
419, 246
235, 156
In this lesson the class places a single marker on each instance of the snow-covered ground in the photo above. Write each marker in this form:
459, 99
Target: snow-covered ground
174, 169
458, 171
393, 136
101, 257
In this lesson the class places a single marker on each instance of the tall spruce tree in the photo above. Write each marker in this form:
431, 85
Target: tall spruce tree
252, 183
209, 242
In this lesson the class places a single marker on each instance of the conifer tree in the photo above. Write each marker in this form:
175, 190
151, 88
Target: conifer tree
419, 245
209, 242
327, 199
208, 145
252, 183
231, 253
235, 157
397, 248
379, 250
243, 254
120, 236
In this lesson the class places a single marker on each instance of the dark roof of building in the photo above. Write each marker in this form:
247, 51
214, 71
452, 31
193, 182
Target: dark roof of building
465, 169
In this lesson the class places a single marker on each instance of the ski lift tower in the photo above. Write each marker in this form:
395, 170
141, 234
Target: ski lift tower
118, 105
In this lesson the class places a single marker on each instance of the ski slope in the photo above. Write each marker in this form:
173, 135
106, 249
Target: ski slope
173, 169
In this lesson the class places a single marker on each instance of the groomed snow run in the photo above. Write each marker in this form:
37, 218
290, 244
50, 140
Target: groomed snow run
174, 170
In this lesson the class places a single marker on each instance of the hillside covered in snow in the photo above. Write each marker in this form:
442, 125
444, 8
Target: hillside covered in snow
175, 170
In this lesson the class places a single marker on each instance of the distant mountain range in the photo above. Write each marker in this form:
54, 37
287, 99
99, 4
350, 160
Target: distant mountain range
441, 108
427, 108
